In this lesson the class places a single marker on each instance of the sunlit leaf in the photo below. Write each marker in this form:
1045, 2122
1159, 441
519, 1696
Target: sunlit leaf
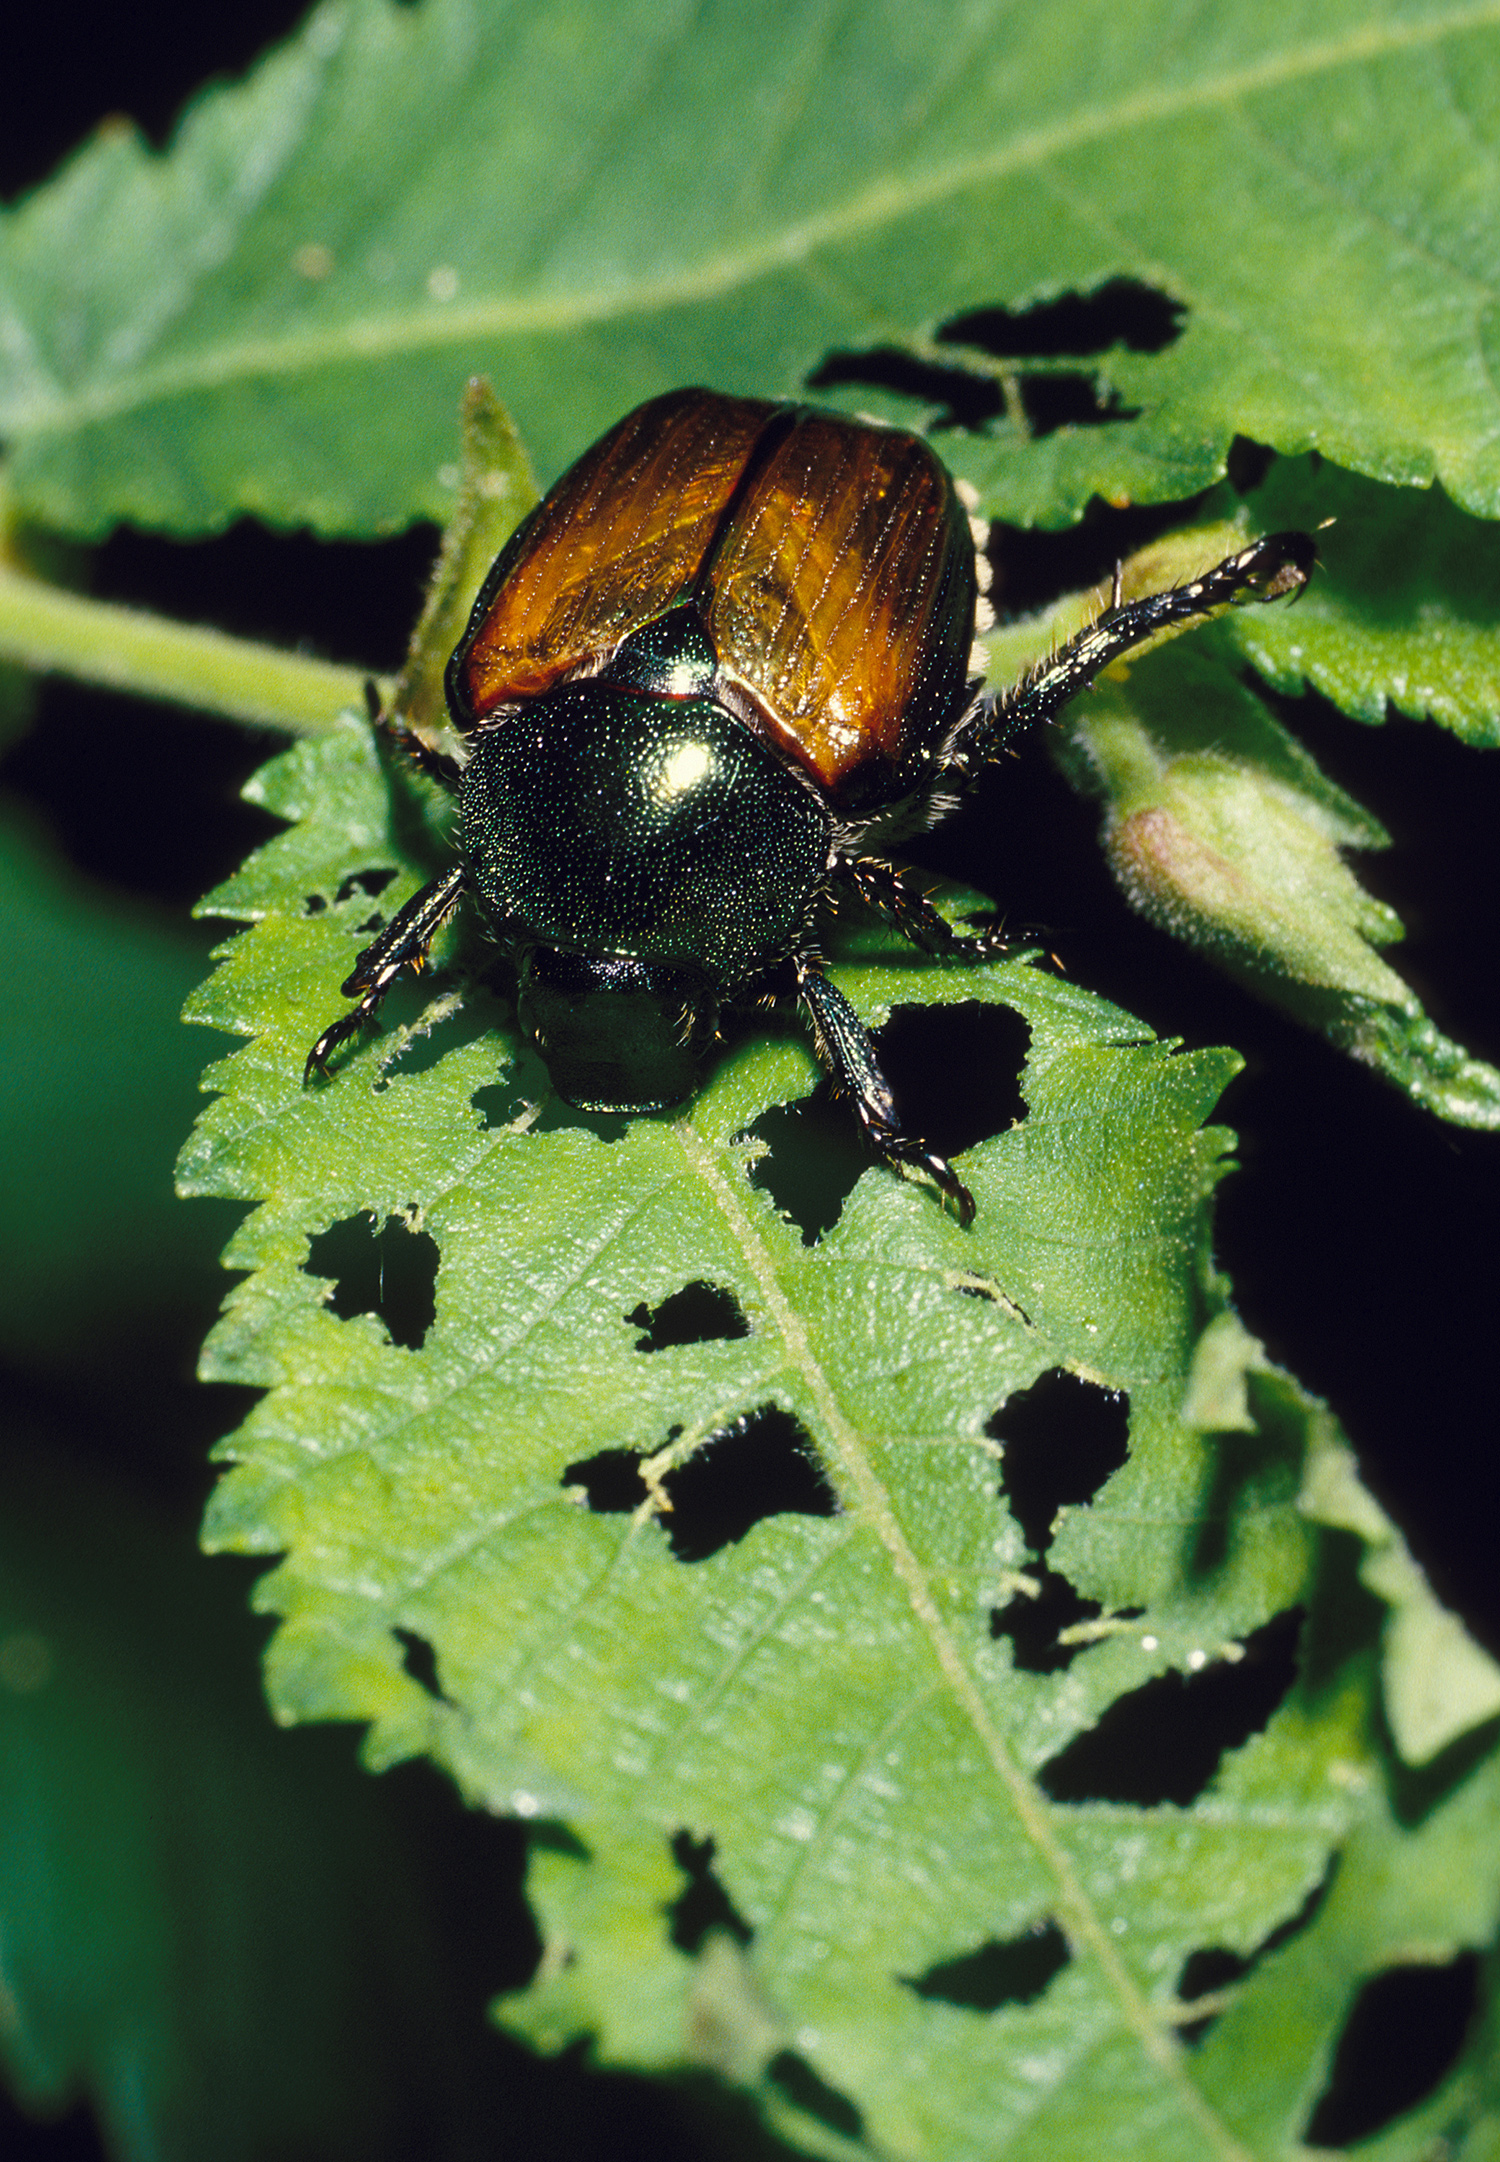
594, 204
798, 1581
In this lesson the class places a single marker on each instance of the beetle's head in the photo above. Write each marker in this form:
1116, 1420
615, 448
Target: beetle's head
617, 1034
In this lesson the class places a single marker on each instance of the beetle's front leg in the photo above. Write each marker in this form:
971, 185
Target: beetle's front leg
1277, 564
881, 886
402, 944
843, 1045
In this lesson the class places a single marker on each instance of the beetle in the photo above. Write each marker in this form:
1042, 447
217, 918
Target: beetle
721, 671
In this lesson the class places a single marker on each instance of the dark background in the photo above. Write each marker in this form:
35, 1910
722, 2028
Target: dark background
1357, 1231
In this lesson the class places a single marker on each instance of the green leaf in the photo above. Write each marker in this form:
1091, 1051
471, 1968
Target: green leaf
1402, 611
828, 1698
595, 204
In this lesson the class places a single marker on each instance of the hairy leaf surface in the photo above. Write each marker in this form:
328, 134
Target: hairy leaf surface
657, 1639
597, 203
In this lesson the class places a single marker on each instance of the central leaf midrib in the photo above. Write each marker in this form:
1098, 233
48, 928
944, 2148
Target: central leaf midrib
1081, 1922
378, 338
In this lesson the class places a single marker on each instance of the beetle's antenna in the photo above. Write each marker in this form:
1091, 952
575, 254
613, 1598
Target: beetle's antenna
405, 739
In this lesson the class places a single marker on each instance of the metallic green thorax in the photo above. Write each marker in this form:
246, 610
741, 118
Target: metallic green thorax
629, 818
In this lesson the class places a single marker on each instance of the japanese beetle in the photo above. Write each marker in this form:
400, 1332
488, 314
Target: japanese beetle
723, 668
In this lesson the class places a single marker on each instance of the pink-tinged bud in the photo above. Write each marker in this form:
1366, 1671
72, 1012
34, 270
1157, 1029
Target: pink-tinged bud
1222, 859
1221, 830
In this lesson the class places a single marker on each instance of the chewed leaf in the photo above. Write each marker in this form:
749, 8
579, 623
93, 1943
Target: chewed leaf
593, 210
712, 1534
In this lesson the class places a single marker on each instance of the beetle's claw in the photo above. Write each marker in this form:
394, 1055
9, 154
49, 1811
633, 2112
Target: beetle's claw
904, 1152
316, 1062
950, 1186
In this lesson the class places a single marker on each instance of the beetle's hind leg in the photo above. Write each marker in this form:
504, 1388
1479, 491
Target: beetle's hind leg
1279, 563
402, 944
843, 1045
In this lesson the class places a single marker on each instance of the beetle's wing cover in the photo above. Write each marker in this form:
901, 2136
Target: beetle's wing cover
843, 599
621, 537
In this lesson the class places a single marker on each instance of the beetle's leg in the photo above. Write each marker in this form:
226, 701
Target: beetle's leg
880, 885
1280, 563
843, 1045
402, 944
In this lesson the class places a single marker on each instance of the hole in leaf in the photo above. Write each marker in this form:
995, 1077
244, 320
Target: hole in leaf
803, 2088
1203, 1975
1034, 1624
702, 1904
436, 1023
429, 1041
812, 1159
701, 1313
612, 1480
969, 400
964, 398
955, 1072
1014, 1972
1062, 1438
1122, 312
313, 904
1404, 2033
763, 1465
389, 1271
1163, 1741
499, 1104
1248, 463
420, 1661
1216, 1968
1051, 402
371, 883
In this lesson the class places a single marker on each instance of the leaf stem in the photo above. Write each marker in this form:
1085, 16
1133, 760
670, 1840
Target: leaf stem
47, 628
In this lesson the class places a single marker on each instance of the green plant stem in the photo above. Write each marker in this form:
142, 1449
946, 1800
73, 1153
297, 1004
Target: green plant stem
44, 627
